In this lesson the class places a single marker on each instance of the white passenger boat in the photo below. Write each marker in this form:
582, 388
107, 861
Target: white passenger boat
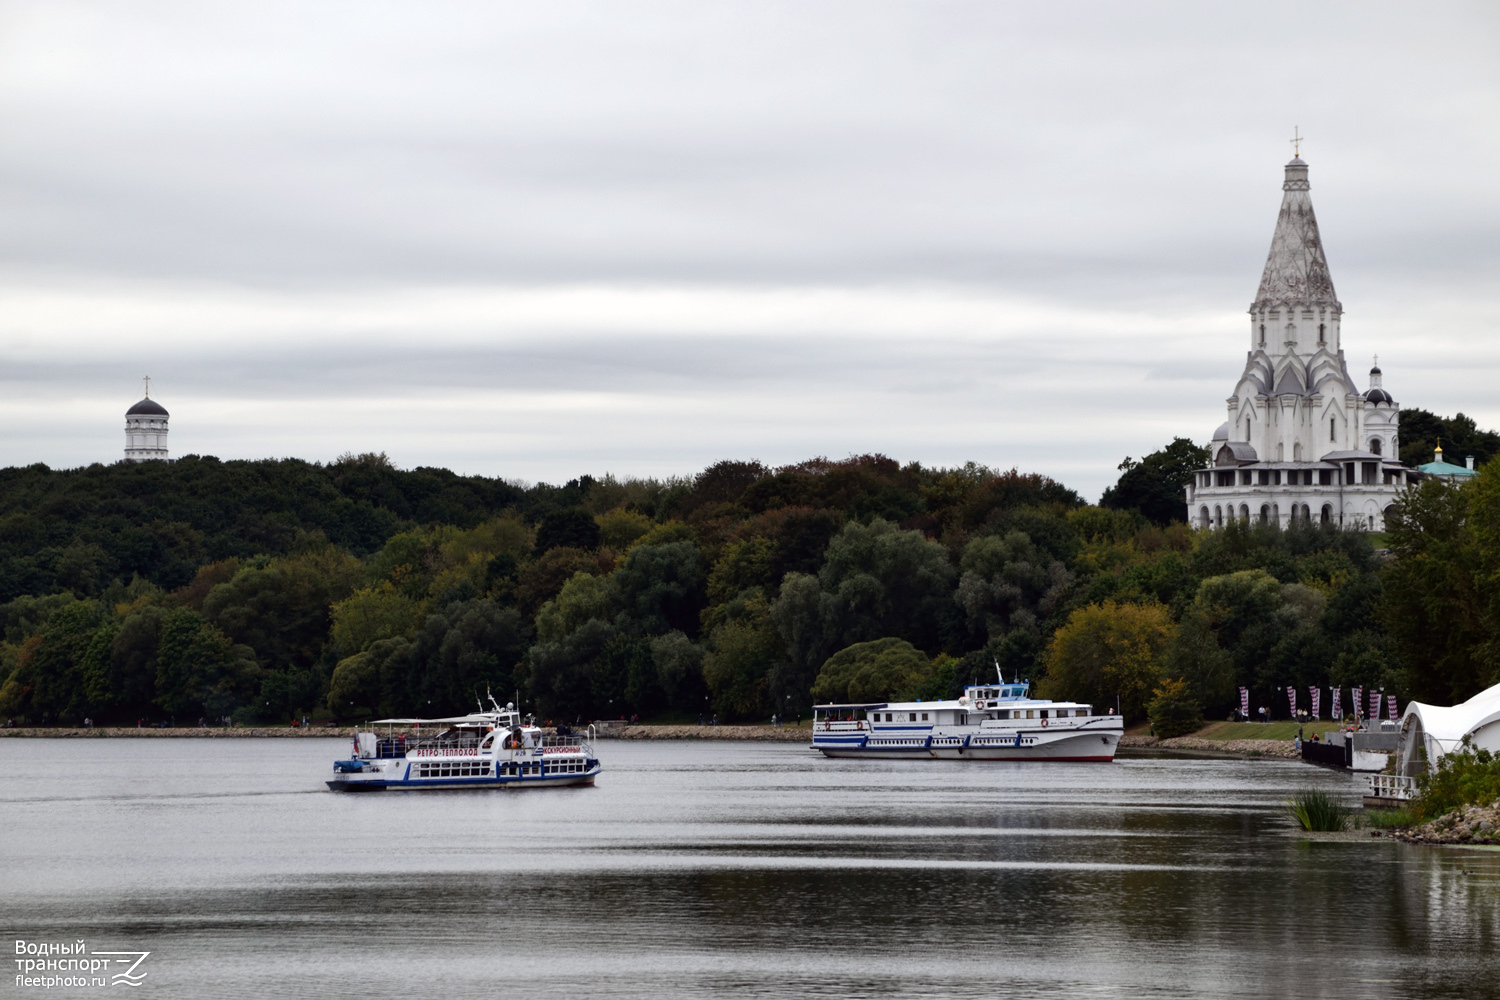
494, 749
988, 722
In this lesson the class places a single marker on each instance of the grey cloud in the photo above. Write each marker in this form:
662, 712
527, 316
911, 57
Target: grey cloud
1124, 159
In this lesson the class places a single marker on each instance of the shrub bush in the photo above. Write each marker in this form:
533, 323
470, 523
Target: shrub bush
1173, 712
1464, 777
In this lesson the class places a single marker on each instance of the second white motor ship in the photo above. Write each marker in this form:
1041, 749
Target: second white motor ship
997, 721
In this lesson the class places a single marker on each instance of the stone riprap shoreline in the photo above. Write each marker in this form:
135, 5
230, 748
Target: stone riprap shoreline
1241, 748
1477, 825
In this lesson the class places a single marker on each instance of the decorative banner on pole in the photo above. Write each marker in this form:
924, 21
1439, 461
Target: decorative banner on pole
1359, 709
1291, 699
1245, 703
1317, 700
1338, 708
1374, 706
1390, 703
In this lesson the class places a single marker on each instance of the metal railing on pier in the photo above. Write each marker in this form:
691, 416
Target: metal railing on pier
1391, 786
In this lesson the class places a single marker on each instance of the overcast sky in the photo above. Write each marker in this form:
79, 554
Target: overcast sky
539, 240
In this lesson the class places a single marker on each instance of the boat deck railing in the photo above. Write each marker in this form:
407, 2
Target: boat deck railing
841, 726
549, 741
398, 746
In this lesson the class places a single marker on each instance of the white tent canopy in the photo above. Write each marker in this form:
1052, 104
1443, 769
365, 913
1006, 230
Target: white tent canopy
1440, 730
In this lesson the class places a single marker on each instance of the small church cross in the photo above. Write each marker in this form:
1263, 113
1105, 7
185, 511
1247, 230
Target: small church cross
147, 380
1296, 141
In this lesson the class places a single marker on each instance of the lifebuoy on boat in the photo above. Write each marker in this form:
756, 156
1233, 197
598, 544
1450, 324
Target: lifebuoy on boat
1044, 722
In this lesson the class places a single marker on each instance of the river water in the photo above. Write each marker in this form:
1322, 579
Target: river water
726, 869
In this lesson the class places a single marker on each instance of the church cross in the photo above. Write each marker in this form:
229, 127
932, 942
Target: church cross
147, 380
1296, 142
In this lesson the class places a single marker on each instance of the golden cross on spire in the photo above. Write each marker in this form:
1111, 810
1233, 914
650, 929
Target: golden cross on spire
147, 380
1296, 142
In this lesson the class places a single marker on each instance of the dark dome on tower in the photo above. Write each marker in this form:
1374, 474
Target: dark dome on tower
147, 406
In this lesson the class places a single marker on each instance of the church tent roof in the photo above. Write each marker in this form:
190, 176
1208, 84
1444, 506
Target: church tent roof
1296, 269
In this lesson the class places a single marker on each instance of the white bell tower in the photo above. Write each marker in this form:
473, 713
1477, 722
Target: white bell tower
146, 429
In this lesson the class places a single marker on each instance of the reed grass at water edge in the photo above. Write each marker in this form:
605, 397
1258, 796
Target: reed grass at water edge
1318, 812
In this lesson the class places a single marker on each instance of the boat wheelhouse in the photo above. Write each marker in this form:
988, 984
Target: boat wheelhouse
997, 721
495, 749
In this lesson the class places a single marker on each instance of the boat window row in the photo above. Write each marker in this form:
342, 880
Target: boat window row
534, 768
910, 717
452, 769
1046, 713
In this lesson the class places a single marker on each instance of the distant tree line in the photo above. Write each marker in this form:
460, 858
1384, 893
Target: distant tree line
263, 591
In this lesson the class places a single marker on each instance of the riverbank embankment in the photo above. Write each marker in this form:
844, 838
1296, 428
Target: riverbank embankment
781, 734
1238, 748
775, 734
182, 732
761, 733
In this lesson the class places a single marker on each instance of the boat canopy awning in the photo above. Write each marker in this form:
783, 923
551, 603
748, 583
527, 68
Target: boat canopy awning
477, 720
850, 707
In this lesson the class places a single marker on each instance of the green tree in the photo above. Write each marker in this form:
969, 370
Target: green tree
621, 528
52, 671
581, 599
679, 670
199, 670
882, 670
282, 610
573, 528
467, 648
1155, 486
1460, 436
876, 581
1010, 585
1108, 651
1172, 711
663, 587
371, 614
1439, 591
741, 655
378, 678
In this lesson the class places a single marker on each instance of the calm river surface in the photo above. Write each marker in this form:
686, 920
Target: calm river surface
734, 869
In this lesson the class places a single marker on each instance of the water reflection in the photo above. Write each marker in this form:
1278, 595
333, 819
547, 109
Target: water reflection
697, 869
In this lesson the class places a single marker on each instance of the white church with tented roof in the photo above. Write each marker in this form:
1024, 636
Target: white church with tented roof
1301, 442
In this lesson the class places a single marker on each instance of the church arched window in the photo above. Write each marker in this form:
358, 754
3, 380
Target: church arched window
1263, 335
1375, 446
1333, 428
1321, 339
